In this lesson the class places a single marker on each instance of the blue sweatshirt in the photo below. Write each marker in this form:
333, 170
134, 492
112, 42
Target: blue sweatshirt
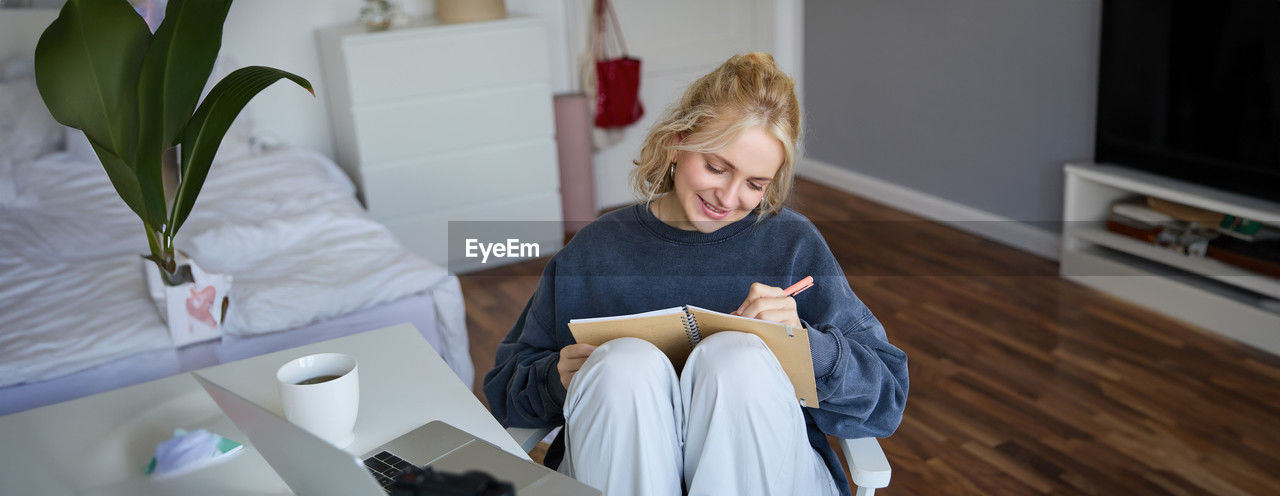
629, 261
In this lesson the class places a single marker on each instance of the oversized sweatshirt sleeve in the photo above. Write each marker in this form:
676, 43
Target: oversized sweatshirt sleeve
861, 377
524, 387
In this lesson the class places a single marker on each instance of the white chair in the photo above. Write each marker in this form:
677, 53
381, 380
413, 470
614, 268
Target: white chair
868, 467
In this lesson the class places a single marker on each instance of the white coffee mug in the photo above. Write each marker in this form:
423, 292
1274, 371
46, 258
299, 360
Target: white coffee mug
321, 393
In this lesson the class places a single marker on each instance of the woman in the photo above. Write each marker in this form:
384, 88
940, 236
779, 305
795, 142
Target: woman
713, 174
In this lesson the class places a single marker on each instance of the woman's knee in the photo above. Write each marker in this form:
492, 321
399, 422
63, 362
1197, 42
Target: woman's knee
625, 364
738, 355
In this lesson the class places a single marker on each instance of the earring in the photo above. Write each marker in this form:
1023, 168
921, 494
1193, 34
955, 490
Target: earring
672, 171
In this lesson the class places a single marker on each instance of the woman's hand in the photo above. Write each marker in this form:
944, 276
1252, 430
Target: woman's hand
766, 302
571, 359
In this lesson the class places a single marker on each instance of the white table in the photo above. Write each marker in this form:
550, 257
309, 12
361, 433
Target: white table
99, 444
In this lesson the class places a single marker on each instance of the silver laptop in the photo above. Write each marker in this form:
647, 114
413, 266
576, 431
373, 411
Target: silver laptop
309, 465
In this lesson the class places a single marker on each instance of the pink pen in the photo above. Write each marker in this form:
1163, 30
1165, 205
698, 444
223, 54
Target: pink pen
795, 289
799, 286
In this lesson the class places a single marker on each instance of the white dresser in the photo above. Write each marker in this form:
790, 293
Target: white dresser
448, 132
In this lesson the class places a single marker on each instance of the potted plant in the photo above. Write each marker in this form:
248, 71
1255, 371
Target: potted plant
101, 70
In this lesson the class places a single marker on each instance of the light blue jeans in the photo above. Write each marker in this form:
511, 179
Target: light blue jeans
730, 424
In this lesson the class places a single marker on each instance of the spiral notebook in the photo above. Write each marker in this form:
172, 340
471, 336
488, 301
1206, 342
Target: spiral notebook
677, 330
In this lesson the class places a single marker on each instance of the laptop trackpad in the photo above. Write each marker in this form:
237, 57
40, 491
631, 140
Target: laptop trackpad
479, 455
424, 444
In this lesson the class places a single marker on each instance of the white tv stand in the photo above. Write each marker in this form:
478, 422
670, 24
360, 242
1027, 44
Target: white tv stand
1218, 297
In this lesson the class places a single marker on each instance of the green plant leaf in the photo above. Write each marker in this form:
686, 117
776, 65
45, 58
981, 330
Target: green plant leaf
149, 173
177, 65
87, 64
203, 133
122, 178
174, 70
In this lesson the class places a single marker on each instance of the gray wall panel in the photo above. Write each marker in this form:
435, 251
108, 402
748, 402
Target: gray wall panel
978, 102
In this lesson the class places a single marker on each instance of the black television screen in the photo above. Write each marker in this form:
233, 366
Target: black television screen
1191, 89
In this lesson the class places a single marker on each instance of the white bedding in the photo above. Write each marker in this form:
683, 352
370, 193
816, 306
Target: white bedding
299, 248
418, 310
284, 224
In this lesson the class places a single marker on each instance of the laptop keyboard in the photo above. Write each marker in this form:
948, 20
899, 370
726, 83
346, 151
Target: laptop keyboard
385, 466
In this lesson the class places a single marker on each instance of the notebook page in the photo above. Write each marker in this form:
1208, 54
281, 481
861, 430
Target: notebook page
664, 328
727, 317
789, 344
665, 311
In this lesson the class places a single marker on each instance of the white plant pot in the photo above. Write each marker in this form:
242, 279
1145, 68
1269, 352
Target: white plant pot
194, 310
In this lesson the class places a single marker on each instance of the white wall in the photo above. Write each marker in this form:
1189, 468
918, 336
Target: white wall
281, 34
677, 41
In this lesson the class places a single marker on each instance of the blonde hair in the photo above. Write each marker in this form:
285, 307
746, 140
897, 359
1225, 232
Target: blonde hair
748, 90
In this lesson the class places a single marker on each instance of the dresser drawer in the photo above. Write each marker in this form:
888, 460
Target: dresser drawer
444, 61
534, 218
449, 181
416, 128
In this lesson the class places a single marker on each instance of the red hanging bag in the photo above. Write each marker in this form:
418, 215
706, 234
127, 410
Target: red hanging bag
617, 79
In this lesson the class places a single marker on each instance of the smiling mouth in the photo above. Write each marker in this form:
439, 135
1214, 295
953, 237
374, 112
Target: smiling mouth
711, 208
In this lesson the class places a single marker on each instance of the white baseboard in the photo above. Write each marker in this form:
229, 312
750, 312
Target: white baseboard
982, 223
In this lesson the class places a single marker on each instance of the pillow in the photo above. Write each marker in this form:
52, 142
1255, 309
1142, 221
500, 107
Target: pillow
14, 110
18, 67
8, 191
78, 144
27, 131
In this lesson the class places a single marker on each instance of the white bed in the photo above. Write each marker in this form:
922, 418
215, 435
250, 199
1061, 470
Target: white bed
308, 264
149, 365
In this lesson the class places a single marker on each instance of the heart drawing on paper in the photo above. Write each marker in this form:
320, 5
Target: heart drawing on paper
199, 303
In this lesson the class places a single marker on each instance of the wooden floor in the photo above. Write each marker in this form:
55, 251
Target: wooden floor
1021, 382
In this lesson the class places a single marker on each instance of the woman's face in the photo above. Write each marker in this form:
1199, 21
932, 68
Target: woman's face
713, 190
